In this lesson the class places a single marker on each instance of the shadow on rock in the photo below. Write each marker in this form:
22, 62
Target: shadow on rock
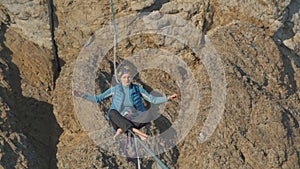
35, 118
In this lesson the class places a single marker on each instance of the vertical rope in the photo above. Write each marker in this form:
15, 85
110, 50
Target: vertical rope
115, 39
137, 154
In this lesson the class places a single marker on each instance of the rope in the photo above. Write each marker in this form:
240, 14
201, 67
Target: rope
162, 165
115, 38
137, 154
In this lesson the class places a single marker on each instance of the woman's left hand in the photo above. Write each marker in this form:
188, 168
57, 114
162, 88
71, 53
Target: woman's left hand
173, 97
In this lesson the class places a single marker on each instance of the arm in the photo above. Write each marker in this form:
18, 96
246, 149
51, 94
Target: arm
98, 98
152, 99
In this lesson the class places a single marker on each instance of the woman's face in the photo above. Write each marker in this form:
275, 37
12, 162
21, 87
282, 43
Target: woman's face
126, 79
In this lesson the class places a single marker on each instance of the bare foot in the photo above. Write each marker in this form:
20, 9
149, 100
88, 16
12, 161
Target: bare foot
142, 135
143, 138
119, 131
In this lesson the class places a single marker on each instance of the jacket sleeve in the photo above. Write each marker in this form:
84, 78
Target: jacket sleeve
152, 99
98, 98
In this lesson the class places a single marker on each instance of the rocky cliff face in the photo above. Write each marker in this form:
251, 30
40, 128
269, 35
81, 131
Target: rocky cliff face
257, 41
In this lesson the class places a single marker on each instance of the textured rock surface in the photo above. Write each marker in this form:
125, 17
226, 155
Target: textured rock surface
30, 131
258, 42
15, 148
31, 19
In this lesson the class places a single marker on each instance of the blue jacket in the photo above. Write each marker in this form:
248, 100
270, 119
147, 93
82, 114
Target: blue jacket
136, 95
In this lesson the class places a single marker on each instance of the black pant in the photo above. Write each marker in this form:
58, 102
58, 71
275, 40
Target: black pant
119, 121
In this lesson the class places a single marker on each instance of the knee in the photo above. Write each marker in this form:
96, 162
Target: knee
113, 113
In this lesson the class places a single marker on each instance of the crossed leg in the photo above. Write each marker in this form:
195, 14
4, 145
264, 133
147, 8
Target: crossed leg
121, 124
